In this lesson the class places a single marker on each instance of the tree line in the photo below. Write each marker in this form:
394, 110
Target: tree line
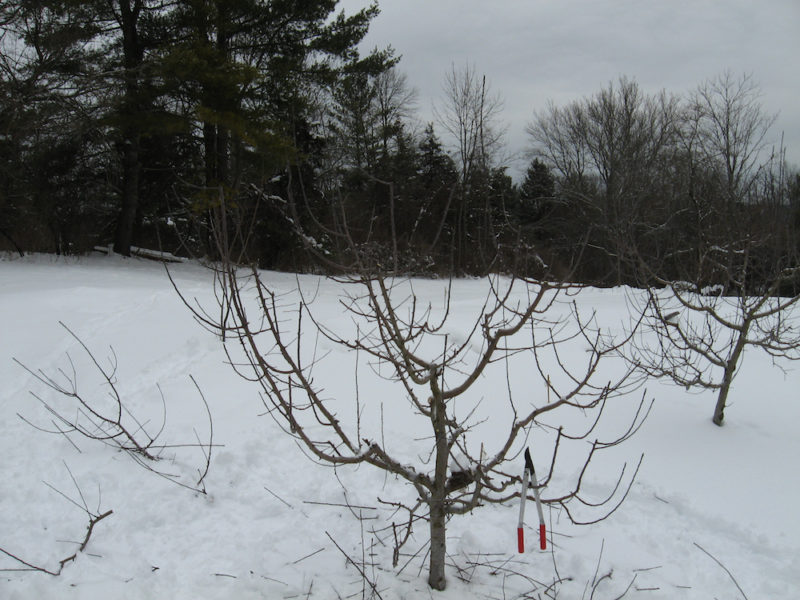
685, 188
137, 122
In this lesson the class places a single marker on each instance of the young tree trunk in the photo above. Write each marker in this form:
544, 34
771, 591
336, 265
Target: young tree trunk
436, 577
438, 508
722, 398
730, 371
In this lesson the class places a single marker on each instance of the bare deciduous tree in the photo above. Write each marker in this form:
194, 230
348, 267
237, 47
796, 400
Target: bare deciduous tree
365, 116
395, 102
702, 333
732, 129
107, 418
470, 113
437, 366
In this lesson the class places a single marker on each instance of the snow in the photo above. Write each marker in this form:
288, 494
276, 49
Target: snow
271, 520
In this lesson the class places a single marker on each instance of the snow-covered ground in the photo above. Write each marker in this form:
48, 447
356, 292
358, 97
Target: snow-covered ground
706, 499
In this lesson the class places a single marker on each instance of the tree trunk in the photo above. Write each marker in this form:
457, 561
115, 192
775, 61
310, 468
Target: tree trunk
133, 55
130, 197
722, 398
436, 578
211, 155
438, 510
730, 371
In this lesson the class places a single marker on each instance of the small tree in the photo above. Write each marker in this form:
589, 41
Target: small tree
702, 332
438, 365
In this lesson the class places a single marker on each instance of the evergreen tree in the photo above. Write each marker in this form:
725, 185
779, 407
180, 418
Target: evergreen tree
247, 73
537, 188
437, 169
539, 182
245, 68
438, 178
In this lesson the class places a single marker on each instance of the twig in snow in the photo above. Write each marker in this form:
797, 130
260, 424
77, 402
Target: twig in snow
595, 582
359, 569
724, 568
648, 569
278, 497
207, 454
94, 519
627, 589
308, 555
339, 504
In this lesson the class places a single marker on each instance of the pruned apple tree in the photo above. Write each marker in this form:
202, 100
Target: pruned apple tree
471, 389
697, 335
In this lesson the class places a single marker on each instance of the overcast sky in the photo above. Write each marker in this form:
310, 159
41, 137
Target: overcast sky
532, 51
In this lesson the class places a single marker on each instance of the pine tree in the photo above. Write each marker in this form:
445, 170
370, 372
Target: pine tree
248, 74
437, 178
437, 169
539, 184
536, 194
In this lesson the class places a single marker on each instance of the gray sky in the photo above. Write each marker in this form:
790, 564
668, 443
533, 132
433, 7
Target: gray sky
532, 51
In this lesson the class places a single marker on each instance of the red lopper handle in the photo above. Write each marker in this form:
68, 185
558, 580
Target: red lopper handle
520, 539
542, 537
